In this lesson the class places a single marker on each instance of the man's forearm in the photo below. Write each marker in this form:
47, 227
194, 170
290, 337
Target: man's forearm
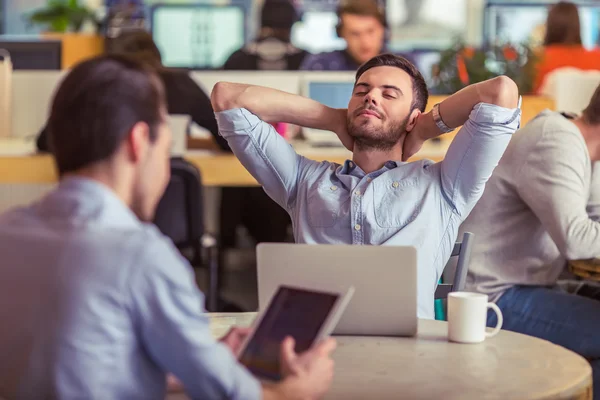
273, 105
455, 109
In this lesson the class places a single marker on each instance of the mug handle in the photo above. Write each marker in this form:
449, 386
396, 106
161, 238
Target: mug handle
500, 320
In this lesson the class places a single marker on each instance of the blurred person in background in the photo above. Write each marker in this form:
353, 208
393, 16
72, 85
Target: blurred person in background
363, 25
272, 50
562, 44
250, 207
539, 210
184, 95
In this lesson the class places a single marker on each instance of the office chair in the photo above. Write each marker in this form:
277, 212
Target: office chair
179, 216
462, 250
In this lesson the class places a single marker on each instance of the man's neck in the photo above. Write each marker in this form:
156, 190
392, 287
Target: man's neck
591, 135
350, 58
117, 183
373, 160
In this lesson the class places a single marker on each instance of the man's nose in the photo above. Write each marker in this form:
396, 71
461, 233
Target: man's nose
371, 98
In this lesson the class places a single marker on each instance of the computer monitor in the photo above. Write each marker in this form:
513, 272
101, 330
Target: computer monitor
198, 36
316, 32
332, 94
333, 89
33, 53
517, 23
425, 60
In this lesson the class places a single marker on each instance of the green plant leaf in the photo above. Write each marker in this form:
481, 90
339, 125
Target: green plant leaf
517, 61
61, 16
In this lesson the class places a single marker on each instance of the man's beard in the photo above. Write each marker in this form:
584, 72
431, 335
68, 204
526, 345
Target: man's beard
381, 139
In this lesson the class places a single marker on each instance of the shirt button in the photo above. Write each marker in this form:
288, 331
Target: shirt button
357, 227
395, 184
357, 193
333, 187
369, 179
350, 165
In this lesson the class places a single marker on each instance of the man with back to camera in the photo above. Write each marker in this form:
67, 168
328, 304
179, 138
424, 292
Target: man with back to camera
542, 203
94, 301
376, 198
272, 50
362, 24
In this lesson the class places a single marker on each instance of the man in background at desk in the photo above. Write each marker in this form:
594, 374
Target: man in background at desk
535, 216
184, 96
94, 301
273, 49
363, 25
376, 198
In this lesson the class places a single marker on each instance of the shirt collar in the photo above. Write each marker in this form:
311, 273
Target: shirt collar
87, 200
350, 167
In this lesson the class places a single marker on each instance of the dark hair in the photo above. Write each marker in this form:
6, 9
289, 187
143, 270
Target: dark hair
420, 92
365, 8
139, 45
562, 25
591, 114
278, 14
96, 106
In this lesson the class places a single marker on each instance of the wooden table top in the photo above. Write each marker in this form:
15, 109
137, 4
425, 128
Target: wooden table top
587, 269
507, 366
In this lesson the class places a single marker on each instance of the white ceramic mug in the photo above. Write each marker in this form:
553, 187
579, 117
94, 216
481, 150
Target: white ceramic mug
467, 316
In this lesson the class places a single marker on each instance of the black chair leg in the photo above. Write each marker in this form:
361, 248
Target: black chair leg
212, 298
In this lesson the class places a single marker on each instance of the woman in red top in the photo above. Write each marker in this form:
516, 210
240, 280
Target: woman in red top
562, 44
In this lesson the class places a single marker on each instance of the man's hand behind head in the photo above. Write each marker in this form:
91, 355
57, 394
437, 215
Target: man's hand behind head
340, 127
424, 128
307, 375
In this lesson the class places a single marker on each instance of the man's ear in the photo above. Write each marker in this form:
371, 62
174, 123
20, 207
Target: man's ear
412, 119
138, 141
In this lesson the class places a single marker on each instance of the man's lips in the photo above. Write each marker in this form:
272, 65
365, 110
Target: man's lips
369, 113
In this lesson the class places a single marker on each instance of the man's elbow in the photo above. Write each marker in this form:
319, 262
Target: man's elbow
502, 91
573, 251
575, 245
224, 97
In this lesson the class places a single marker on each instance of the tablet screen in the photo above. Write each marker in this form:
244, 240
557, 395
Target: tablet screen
292, 312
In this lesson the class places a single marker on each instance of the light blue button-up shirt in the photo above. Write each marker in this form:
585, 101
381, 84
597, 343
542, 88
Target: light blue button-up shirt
95, 304
417, 204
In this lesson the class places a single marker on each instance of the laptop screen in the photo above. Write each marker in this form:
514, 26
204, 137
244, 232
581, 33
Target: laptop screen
332, 94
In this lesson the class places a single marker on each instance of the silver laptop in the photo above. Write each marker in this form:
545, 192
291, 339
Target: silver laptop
384, 279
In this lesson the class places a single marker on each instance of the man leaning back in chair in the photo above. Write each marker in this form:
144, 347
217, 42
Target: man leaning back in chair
377, 198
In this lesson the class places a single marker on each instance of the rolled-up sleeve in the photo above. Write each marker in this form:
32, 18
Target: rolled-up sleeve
270, 159
167, 308
475, 152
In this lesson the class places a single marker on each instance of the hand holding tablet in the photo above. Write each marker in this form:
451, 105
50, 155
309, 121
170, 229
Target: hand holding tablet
308, 317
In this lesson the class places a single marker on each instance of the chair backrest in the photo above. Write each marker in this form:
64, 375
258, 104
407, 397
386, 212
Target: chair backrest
179, 214
179, 126
462, 250
571, 88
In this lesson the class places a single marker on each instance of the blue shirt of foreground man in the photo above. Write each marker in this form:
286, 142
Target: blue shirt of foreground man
377, 198
97, 303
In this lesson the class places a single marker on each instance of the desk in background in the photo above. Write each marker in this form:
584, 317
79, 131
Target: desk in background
220, 169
